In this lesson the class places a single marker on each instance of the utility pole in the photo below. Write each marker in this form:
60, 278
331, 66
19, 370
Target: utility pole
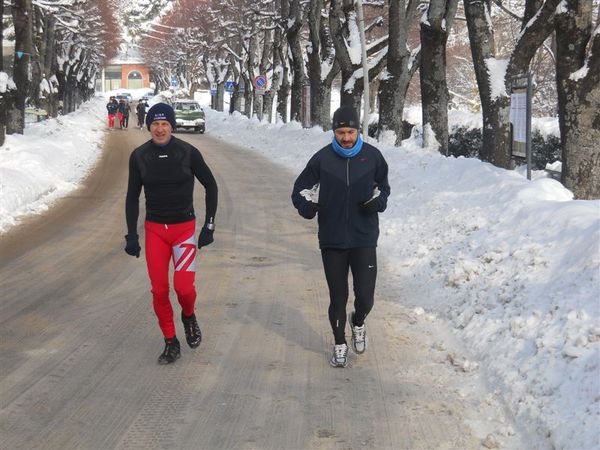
363, 45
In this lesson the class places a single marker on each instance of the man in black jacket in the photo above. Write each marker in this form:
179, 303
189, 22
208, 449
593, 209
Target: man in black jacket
166, 168
346, 184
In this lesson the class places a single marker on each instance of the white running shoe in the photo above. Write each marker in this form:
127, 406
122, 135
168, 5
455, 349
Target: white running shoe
340, 356
359, 336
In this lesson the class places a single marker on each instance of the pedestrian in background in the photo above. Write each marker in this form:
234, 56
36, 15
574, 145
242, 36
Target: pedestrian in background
111, 107
124, 109
166, 167
140, 110
346, 184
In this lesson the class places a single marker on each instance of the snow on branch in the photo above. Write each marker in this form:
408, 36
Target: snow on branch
358, 74
6, 83
496, 69
353, 40
229, 50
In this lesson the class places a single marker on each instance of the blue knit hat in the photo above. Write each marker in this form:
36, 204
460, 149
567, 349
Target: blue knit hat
161, 111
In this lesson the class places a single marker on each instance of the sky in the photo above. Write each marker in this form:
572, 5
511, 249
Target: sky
511, 267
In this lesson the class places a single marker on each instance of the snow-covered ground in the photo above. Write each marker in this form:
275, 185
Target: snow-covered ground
512, 265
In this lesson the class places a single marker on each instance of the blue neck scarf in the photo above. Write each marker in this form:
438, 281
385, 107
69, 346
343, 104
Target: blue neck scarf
347, 152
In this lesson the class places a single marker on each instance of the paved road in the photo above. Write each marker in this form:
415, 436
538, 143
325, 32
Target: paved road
79, 340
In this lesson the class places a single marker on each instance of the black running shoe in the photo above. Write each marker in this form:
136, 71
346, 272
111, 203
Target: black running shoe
193, 335
171, 353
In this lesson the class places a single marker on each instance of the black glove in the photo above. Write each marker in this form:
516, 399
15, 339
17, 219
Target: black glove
132, 246
206, 237
309, 211
371, 206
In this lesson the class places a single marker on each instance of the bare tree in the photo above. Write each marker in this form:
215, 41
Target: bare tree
434, 87
7, 84
402, 63
322, 64
22, 15
281, 62
295, 21
341, 17
536, 26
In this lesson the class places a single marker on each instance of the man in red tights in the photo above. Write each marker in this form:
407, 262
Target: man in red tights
166, 168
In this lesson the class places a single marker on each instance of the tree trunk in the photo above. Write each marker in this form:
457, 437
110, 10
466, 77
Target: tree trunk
2, 38
268, 105
297, 58
50, 65
321, 55
341, 12
434, 86
3, 95
248, 94
220, 98
22, 13
495, 106
401, 66
264, 67
279, 69
283, 92
579, 99
483, 47
37, 59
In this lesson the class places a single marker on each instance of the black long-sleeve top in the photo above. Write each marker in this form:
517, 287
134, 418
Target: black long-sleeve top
167, 175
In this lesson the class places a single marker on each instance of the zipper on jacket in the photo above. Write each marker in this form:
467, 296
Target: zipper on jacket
348, 172
347, 199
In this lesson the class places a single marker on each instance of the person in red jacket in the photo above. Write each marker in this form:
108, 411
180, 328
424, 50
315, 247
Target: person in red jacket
165, 167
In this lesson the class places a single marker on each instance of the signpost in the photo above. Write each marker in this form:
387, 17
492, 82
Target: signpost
241, 94
306, 106
520, 118
260, 86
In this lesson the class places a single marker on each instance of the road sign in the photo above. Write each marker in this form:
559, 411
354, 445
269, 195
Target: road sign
213, 89
520, 118
230, 86
174, 81
260, 82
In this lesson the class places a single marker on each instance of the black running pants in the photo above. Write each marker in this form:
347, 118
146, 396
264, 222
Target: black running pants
363, 263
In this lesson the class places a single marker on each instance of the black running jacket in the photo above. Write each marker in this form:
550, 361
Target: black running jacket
344, 184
